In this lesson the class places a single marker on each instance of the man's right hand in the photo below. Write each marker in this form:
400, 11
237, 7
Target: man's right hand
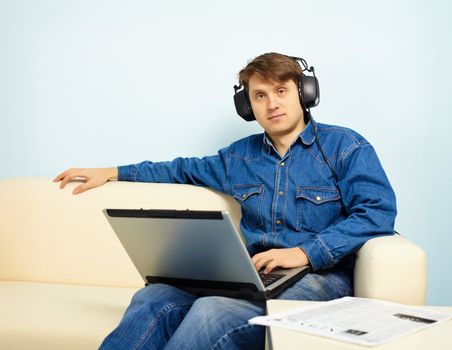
94, 177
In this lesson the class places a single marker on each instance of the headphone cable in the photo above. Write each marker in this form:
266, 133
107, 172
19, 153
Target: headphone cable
314, 124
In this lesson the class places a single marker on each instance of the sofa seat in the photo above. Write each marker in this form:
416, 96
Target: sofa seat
43, 316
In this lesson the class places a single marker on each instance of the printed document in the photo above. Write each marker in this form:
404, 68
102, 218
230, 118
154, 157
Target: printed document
362, 321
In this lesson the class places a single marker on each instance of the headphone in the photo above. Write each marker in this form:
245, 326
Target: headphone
308, 91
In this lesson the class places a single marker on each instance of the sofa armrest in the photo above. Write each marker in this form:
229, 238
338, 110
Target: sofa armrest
391, 268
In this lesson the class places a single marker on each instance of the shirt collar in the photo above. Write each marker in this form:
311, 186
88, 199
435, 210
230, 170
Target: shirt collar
308, 134
267, 140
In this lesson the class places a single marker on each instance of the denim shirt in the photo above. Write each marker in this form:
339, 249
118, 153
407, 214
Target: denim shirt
294, 200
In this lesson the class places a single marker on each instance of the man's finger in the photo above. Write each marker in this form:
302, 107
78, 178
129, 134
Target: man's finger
271, 266
65, 180
263, 262
258, 263
64, 174
81, 188
59, 177
256, 257
74, 174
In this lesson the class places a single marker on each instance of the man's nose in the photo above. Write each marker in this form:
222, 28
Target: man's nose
272, 102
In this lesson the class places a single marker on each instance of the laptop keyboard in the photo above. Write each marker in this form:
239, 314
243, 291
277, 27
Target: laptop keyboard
269, 278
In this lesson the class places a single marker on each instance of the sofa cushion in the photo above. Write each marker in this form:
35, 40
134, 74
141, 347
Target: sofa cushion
56, 316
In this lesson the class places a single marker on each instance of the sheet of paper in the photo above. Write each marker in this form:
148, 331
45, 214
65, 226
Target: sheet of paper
357, 320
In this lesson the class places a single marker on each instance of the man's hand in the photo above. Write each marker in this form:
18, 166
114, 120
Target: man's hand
93, 177
283, 257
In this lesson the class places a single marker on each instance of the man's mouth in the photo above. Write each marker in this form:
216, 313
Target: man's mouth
275, 116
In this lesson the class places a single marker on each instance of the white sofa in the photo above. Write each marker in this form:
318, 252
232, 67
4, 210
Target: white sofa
65, 279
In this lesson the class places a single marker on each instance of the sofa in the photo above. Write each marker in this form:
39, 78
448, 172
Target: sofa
65, 279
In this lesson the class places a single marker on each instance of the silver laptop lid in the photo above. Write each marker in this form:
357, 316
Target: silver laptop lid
203, 245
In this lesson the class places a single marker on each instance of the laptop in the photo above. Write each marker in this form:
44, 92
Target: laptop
201, 252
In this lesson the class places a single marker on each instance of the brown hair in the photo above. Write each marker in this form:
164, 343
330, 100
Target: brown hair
271, 67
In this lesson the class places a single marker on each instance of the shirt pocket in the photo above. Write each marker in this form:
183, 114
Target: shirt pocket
250, 198
317, 208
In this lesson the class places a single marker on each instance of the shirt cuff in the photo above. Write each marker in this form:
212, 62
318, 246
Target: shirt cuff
318, 255
127, 173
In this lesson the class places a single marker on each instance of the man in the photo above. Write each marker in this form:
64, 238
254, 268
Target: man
311, 194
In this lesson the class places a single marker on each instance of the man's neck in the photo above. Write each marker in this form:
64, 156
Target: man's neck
282, 143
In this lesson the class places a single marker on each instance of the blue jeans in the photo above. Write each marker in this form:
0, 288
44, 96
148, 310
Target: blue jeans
164, 317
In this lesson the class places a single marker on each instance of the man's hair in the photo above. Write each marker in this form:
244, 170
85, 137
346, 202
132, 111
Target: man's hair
271, 67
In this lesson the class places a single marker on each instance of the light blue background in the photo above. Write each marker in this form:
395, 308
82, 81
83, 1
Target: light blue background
101, 83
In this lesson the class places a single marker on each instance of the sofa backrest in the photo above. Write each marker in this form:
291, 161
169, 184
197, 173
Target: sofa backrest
51, 235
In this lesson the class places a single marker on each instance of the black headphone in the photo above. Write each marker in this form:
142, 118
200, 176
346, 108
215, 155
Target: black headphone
308, 91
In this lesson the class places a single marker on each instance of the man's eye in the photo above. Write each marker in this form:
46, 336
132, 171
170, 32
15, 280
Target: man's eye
259, 96
281, 91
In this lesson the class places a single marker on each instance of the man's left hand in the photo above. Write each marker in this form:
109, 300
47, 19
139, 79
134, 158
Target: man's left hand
282, 257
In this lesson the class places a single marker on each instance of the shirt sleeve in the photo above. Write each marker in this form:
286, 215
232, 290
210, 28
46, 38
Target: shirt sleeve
370, 205
211, 171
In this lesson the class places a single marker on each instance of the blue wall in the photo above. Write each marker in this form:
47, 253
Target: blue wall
100, 83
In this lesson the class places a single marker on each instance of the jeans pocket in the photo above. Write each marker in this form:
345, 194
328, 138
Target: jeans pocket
250, 198
317, 208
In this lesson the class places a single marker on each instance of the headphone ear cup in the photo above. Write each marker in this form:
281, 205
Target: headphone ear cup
243, 106
309, 91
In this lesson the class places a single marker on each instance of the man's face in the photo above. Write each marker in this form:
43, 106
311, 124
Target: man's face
276, 106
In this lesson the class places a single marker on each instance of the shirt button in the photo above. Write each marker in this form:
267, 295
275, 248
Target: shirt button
318, 198
244, 195
282, 164
278, 222
280, 193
